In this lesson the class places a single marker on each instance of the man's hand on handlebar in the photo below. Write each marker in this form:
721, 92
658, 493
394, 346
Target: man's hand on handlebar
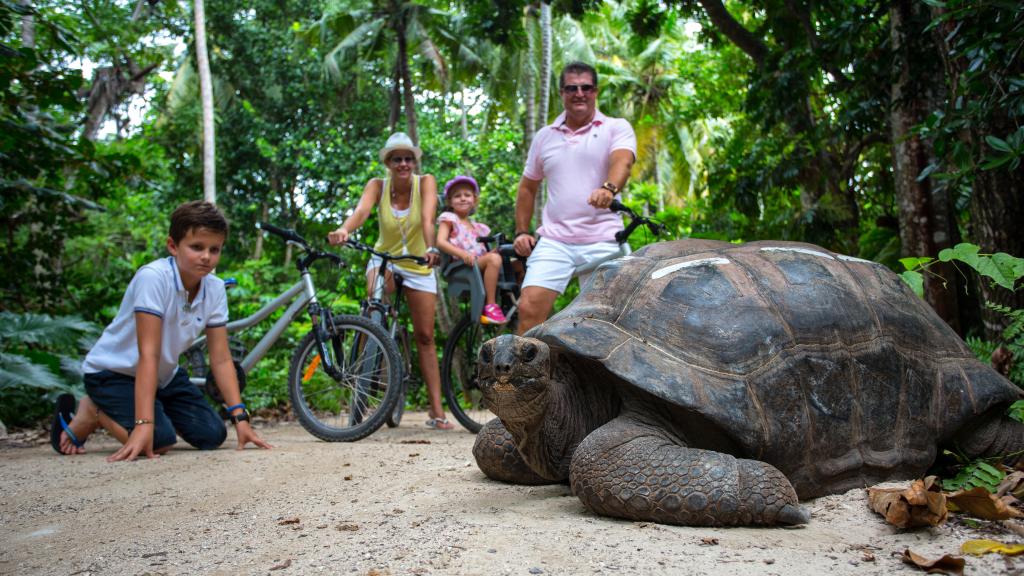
601, 198
338, 236
524, 244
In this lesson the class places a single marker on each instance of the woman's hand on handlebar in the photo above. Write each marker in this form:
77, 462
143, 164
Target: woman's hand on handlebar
432, 258
524, 244
338, 236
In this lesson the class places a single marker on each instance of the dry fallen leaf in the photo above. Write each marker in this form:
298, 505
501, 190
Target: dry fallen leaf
945, 565
709, 541
347, 527
981, 547
982, 504
414, 442
919, 505
294, 520
1013, 485
282, 565
349, 477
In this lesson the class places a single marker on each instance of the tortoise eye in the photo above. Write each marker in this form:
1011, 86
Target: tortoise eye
529, 352
486, 353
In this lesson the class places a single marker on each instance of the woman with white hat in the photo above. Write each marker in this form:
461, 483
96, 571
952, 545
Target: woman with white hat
407, 202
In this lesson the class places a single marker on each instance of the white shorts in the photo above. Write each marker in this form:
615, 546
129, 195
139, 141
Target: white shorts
552, 264
421, 282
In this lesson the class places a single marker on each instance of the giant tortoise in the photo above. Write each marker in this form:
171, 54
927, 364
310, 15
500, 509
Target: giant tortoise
706, 383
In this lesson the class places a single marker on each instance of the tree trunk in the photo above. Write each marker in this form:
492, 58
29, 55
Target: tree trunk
463, 118
924, 211
529, 83
206, 96
403, 68
997, 198
28, 27
395, 99
545, 62
257, 252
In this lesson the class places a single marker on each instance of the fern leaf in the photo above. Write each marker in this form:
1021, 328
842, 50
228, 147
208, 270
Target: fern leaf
17, 371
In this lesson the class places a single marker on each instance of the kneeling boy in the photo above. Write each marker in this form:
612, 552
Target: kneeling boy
136, 390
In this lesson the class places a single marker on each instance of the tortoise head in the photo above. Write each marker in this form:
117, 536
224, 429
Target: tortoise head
515, 375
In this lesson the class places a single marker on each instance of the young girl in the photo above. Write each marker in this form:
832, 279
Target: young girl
457, 236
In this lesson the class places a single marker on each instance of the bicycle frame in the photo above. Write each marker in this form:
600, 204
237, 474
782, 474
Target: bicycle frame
304, 294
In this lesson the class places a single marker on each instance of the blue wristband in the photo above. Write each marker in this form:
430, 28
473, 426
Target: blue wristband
235, 407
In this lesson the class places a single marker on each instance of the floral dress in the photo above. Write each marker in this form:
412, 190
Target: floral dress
465, 237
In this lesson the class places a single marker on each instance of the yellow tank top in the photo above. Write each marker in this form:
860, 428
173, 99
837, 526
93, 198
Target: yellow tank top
402, 234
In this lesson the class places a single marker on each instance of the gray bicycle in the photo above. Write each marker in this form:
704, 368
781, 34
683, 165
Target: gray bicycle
345, 377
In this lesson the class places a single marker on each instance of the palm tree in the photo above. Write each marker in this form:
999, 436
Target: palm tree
639, 82
206, 95
358, 37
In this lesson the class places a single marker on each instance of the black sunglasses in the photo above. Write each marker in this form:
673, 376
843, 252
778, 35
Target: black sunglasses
572, 88
400, 159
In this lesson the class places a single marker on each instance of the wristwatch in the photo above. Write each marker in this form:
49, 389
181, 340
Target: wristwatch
236, 418
610, 187
433, 250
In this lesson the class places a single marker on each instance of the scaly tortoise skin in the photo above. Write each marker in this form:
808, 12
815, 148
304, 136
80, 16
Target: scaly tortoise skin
705, 383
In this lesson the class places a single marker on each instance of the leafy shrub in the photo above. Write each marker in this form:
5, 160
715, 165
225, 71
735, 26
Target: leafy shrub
40, 357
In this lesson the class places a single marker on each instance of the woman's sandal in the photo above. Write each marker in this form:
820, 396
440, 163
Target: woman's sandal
440, 424
62, 415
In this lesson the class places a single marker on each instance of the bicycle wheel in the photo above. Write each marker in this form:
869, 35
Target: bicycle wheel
458, 370
355, 404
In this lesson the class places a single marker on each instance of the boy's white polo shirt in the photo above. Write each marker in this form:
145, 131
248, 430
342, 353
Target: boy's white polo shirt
157, 289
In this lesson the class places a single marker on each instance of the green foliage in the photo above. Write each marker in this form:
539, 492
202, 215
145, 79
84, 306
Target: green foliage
1000, 268
39, 358
1016, 411
978, 473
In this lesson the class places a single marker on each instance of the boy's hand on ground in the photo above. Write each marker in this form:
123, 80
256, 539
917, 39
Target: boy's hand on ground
140, 443
246, 435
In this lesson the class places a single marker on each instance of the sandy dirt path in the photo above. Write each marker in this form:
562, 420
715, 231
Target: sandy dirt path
403, 501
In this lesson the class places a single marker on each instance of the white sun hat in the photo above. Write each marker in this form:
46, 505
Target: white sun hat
399, 141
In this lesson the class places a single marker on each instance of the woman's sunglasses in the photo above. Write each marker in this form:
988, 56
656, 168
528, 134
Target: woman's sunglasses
396, 160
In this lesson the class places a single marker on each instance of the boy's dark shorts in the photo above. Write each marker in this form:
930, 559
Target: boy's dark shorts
179, 407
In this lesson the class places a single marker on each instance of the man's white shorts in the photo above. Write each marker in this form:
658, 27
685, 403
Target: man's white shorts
423, 283
552, 264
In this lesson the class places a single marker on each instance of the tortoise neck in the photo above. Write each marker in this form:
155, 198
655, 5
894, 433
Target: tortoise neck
576, 405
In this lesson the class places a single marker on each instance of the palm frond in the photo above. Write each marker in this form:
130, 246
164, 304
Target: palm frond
40, 329
17, 371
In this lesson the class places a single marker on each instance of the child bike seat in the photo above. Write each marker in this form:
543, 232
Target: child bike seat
464, 282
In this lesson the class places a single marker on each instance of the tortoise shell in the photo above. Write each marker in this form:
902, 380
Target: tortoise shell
827, 366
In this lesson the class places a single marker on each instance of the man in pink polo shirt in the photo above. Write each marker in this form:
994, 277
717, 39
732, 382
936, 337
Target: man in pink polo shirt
586, 158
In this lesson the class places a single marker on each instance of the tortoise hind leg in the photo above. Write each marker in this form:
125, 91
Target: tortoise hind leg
995, 435
630, 471
497, 456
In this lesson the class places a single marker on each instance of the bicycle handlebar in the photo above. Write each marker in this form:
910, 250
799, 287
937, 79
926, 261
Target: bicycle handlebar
636, 221
289, 235
357, 245
286, 233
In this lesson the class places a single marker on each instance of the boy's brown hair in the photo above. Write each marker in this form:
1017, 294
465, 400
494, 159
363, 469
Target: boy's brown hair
195, 215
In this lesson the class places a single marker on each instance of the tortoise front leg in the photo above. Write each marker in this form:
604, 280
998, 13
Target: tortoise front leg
630, 471
497, 456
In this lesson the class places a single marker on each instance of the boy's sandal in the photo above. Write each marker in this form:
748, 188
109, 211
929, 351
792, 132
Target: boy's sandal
440, 424
62, 416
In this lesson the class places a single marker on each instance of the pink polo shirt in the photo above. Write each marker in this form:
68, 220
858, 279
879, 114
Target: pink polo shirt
575, 164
